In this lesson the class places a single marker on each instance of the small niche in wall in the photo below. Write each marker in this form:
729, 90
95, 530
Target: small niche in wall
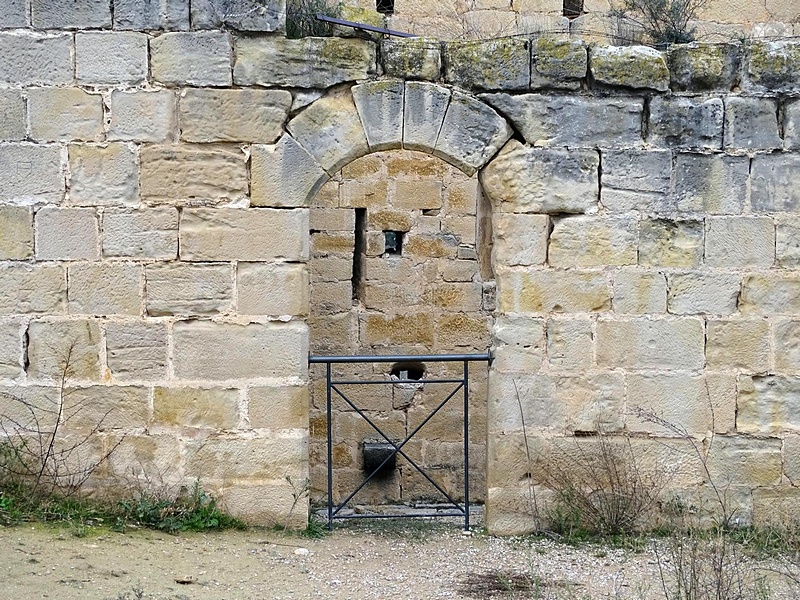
408, 371
573, 8
393, 242
384, 6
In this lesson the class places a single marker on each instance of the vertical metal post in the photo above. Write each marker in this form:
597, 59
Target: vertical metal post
466, 445
330, 448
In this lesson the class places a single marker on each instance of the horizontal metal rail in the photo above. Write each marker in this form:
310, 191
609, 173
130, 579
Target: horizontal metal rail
486, 357
363, 27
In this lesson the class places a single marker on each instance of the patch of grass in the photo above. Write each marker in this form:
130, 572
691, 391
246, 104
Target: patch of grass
315, 529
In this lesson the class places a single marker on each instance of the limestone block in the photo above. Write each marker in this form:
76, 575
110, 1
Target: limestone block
629, 66
277, 61
110, 57
108, 407
31, 174
773, 66
103, 175
711, 183
685, 122
59, 347
667, 243
256, 458
196, 407
570, 344
420, 194
700, 67
519, 240
751, 124
243, 15
136, 350
768, 405
12, 106
459, 330
144, 15
381, 330
204, 350
411, 58
337, 244
791, 125
247, 235
380, 106
494, 64
33, 289
201, 58
740, 242
278, 407
284, 174
787, 242
424, 111
67, 234
791, 456
775, 506
770, 293
572, 121
662, 344
552, 291
560, 64
179, 173
16, 233
143, 116
233, 115
702, 293
272, 289
787, 346
542, 180
635, 179
49, 14
782, 10
775, 183
738, 344
330, 130
589, 241
10, 351
15, 14
64, 114
145, 456
385, 220
424, 246
187, 289
455, 297
36, 59
144, 233
268, 504
519, 344
640, 292
105, 289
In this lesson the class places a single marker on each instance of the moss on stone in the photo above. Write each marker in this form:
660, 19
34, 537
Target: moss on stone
632, 66
775, 64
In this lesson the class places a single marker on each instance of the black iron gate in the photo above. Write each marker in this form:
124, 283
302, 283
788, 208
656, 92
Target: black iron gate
395, 448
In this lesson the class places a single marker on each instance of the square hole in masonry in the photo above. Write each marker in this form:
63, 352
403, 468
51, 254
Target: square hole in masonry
393, 242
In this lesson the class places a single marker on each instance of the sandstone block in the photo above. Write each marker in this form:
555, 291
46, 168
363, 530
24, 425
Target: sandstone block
65, 114
336, 244
67, 234
637, 292
15, 14
380, 330
196, 407
411, 58
284, 174
16, 233
495, 64
787, 346
174, 174
635, 180
36, 59
791, 464
425, 108
570, 344
13, 107
710, 183
33, 289
49, 14
268, 504
751, 124
455, 297
201, 58
59, 347
768, 405
588, 241
697, 67
667, 243
380, 106
277, 61
272, 289
629, 66
775, 183
687, 122
278, 407
520, 240
773, 65
105, 289
462, 331
146, 456
770, 294
424, 246
542, 180
651, 344
136, 350
738, 344
246, 235
219, 351
143, 116
384, 220
519, 344
420, 194
110, 57
552, 291
10, 352
558, 63
791, 125
145, 15
187, 289
740, 242
31, 174
103, 175
787, 242
702, 293
144, 233
242, 15
108, 407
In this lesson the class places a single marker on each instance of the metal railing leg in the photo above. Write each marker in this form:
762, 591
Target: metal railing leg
466, 445
330, 448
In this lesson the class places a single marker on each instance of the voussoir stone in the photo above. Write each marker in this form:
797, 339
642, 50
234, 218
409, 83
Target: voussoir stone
700, 67
284, 174
380, 105
774, 66
629, 66
424, 112
412, 58
560, 64
495, 64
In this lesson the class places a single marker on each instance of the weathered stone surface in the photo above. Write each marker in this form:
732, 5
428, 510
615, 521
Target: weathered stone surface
278, 407
330, 130
284, 174
268, 504
703, 66
146, 116
774, 66
33, 289
67, 234
710, 183
740, 242
254, 458
787, 346
10, 351
519, 240
143, 15
272, 289
791, 125
243, 15
110, 57
411, 58
107, 407
495, 64
702, 293
666, 243
282, 62
12, 106
31, 174
687, 122
629, 66
191, 58
558, 63
64, 346
380, 106
64, 114
552, 291
588, 241
105, 289
192, 174
15, 14
571, 120
181, 289
245, 235
570, 344
542, 180
103, 175
745, 461
787, 242
635, 179
751, 124
519, 344
424, 111
738, 344
144, 233
136, 350
36, 59
233, 115
219, 351
383, 330
768, 405
775, 183
771, 294
196, 407
16, 233
651, 344
49, 14
637, 292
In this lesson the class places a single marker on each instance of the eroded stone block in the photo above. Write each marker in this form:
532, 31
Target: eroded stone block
207, 408
687, 122
33, 289
103, 175
143, 116
498, 64
65, 114
588, 241
110, 57
188, 289
191, 58
662, 344
272, 289
144, 233
105, 289
629, 66
59, 347
136, 350
67, 234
